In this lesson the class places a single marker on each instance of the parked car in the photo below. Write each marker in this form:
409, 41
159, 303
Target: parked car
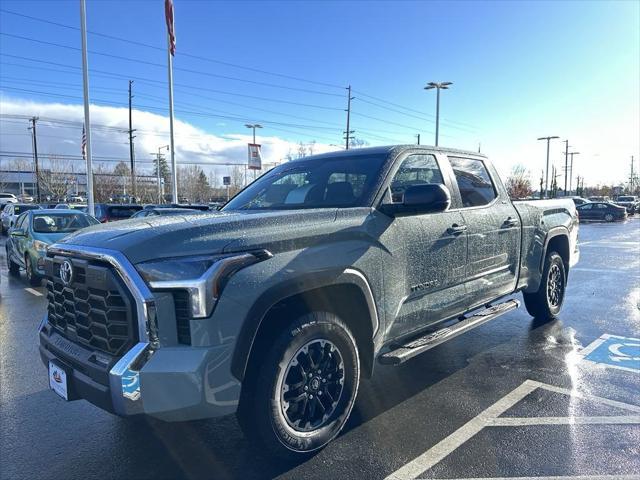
601, 211
277, 308
7, 198
10, 213
630, 202
579, 200
600, 199
154, 212
24, 198
110, 212
33, 232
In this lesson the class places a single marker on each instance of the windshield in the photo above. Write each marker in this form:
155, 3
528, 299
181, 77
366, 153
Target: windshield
61, 223
337, 182
626, 199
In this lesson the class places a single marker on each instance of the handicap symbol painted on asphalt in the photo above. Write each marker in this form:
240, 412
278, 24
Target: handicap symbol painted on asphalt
614, 351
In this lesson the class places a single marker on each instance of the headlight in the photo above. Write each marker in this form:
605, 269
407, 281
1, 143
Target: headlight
203, 277
40, 246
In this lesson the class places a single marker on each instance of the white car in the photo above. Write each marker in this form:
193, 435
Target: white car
7, 198
11, 212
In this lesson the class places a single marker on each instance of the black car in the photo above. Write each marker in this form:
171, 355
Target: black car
607, 212
154, 212
106, 212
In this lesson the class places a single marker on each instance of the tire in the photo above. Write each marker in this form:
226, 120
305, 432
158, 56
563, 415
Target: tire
608, 217
2, 230
269, 414
34, 279
14, 268
546, 303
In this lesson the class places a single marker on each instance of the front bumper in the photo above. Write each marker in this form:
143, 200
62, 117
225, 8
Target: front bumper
172, 383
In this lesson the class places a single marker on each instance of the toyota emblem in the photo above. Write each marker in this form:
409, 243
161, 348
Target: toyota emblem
66, 272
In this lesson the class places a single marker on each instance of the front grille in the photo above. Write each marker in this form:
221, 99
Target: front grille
95, 309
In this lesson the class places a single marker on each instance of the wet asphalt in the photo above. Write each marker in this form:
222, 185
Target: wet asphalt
580, 420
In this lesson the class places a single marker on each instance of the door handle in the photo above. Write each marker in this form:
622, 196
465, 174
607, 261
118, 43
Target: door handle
456, 229
510, 222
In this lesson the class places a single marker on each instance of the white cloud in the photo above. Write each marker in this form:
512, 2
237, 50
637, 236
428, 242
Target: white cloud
192, 145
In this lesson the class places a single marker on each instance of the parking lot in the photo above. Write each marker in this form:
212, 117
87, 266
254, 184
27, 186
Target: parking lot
515, 398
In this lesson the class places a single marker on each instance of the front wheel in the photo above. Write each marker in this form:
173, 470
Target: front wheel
546, 303
303, 392
33, 278
14, 268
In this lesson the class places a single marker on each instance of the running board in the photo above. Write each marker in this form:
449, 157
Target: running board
415, 347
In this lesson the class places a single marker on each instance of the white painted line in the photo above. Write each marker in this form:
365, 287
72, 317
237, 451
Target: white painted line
33, 292
572, 393
528, 421
605, 270
578, 477
442, 449
489, 417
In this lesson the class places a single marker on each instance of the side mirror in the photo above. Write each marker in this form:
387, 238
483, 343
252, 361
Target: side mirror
16, 232
419, 199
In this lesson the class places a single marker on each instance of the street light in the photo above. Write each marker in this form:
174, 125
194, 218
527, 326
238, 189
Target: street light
438, 86
546, 182
571, 169
253, 127
160, 183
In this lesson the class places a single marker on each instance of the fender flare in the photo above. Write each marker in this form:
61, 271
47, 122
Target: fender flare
289, 288
554, 232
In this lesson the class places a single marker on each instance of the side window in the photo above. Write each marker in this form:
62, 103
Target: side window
587, 206
474, 182
414, 170
601, 205
20, 223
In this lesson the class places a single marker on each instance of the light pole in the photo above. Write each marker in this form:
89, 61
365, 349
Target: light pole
253, 126
438, 86
160, 199
546, 175
571, 169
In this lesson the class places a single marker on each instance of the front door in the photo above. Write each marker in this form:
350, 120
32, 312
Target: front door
434, 253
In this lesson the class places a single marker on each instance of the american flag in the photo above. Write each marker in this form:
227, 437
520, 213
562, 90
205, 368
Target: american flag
168, 13
84, 144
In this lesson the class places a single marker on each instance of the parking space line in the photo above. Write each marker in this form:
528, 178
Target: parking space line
528, 421
608, 271
578, 477
442, 449
33, 292
490, 417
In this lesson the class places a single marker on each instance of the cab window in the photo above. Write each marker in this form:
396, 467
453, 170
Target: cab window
474, 182
414, 170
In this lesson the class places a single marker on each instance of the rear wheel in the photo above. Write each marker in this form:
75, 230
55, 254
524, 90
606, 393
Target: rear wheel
546, 303
14, 268
301, 395
608, 217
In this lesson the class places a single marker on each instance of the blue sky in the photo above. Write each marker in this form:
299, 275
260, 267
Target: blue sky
520, 71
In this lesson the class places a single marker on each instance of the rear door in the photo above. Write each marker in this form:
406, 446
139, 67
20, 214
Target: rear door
434, 252
493, 228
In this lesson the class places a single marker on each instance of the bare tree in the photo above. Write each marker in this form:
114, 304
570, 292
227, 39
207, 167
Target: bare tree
519, 182
55, 178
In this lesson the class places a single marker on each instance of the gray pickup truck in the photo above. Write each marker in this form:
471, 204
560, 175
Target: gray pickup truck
275, 307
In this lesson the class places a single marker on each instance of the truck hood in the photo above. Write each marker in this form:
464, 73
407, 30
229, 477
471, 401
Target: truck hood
173, 236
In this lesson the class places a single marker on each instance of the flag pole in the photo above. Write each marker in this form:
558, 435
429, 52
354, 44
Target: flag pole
174, 170
87, 118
